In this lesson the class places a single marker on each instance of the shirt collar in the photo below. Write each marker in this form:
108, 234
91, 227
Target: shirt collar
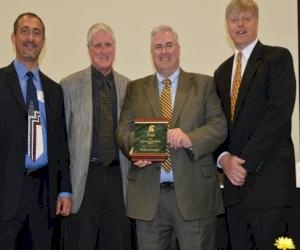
248, 50
22, 70
171, 77
98, 75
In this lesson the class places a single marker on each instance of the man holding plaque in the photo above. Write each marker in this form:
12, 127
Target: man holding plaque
181, 194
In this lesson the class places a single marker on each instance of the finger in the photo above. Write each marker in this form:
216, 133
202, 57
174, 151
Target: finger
58, 206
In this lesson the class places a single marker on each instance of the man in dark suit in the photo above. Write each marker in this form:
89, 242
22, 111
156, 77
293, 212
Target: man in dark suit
181, 195
34, 175
258, 94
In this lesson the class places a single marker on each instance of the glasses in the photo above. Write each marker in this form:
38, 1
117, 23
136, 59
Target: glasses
159, 47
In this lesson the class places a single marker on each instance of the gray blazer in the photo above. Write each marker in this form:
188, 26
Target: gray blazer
77, 90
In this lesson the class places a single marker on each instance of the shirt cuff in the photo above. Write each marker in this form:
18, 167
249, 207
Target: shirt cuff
219, 158
64, 194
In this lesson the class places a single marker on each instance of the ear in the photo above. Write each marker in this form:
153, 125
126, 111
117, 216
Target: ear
13, 38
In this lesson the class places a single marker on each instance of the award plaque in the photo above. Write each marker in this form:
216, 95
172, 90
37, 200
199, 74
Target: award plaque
150, 139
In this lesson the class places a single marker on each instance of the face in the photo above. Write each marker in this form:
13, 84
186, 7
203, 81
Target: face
242, 28
165, 53
102, 52
28, 40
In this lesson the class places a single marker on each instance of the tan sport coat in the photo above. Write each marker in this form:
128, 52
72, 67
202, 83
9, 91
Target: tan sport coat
197, 111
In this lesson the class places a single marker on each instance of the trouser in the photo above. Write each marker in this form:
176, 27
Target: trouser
100, 222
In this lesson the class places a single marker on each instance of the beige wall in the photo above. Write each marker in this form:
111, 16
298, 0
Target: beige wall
200, 25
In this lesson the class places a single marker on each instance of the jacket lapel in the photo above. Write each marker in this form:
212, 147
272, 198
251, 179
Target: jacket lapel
252, 65
13, 84
152, 94
47, 96
226, 88
182, 93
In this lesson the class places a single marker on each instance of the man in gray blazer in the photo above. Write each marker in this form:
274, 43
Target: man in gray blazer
93, 99
186, 199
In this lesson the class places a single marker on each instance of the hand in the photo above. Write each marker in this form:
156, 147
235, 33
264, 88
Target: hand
233, 169
63, 206
178, 139
140, 164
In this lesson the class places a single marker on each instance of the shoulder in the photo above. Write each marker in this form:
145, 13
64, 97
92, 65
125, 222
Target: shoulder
275, 52
196, 78
140, 82
224, 65
76, 78
47, 80
120, 78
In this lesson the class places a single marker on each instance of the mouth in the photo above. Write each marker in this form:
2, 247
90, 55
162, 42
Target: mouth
241, 32
165, 59
104, 57
29, 45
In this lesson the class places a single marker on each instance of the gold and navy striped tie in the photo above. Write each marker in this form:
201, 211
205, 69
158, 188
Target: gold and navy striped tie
236, 83
166, 110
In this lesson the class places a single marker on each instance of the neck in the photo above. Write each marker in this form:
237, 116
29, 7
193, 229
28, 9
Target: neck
30, 65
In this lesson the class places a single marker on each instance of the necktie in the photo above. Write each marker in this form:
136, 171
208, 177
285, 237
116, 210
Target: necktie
106, 133
236, 83
166, 110
34, 132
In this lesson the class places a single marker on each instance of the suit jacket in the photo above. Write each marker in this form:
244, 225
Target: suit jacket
13, 142
79, 118
261, 130
197, 111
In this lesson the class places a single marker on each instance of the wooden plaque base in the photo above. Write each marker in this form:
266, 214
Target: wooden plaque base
148, 157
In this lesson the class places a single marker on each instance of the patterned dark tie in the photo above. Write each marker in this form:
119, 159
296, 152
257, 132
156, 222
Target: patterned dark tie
34, 133
106, 131
236, 83
166, 110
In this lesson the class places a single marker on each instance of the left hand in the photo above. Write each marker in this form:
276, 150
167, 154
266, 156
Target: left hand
63, 206
178, 139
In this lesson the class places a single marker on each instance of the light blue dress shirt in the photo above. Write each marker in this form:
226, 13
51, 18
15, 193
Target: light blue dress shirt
21, 71
164, 176
43, 159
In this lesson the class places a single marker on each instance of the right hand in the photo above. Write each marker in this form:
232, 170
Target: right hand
233, 169
140, 164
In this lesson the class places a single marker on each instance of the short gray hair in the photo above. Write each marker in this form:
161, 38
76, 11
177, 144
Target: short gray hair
164, 28
99, 27
236, 6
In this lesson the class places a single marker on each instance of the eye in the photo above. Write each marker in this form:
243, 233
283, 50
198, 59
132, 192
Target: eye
24, 30
169, 45
158, 46
97, 46
37, 32
108, 45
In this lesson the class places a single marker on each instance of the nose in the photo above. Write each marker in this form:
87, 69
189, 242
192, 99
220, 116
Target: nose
240, 22
30, 36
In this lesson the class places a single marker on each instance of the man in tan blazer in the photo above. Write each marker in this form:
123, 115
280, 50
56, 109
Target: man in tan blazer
93, 100
185, 200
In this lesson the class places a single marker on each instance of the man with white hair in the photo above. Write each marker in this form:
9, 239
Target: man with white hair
93, 99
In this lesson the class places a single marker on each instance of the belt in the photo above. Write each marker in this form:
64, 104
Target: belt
167, 185
98, 163
36, 173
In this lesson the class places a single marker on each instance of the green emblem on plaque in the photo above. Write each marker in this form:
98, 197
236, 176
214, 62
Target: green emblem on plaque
150, 139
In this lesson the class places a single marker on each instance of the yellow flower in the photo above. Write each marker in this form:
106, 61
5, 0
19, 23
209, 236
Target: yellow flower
284, 243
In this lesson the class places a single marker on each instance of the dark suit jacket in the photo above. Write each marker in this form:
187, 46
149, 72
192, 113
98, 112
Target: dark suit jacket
13, 142
197, 111
261, 130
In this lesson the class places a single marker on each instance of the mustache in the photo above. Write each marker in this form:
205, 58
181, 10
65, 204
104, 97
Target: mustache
26, 43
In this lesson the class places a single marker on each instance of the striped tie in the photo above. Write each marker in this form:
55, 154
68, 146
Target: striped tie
236, 84
166, 110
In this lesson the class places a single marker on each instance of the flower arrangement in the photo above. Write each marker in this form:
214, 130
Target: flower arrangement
284, 243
